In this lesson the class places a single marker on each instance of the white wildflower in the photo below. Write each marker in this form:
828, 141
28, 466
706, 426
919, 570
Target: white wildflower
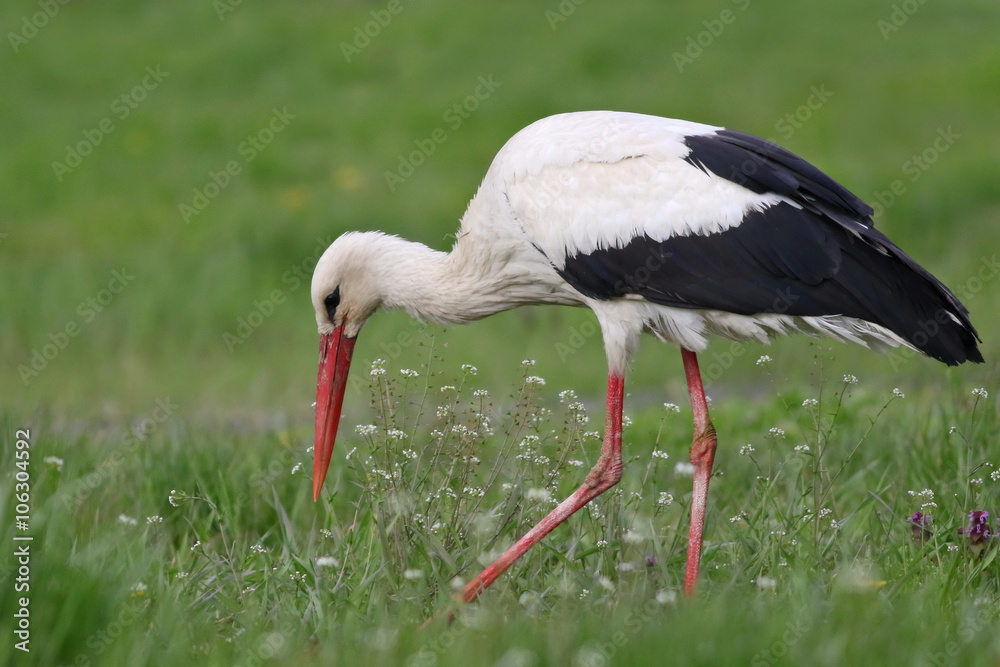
409, 373
537, 494
469, 369
777, 432
664, 596
327, 561
810, 403
684, 469
365, 429
567, 395
127, 520
659, 454
527, 363
671, 407
897, 393
746, 450
763, 360
766, 583
980, 392
850, 379
665, 499
632, 537
54, 461
534, 379
529, 441
156, 518
802, 449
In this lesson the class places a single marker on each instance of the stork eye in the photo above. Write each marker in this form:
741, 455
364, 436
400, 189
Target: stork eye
331, 302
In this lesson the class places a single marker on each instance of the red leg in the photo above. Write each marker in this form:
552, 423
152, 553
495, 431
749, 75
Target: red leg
702, 456
605, 474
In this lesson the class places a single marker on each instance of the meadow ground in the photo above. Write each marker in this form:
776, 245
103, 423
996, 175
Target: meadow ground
170, 174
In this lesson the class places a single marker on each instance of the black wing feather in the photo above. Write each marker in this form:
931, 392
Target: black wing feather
818, 256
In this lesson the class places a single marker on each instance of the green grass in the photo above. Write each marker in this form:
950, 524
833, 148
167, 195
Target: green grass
186, 543
206, 345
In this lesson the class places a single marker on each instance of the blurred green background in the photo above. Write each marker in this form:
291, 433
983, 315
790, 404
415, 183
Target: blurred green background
169, 173
117, 115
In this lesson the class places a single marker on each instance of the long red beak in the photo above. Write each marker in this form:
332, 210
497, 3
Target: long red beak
335, 350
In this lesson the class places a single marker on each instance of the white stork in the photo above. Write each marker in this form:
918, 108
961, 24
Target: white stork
678, 229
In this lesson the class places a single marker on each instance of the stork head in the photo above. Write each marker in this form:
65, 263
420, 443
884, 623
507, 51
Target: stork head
345, 293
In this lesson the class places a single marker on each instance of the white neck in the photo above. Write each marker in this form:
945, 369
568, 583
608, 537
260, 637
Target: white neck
473, 281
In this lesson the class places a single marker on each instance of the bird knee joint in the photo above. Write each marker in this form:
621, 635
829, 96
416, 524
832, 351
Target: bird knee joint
704, 445
605, 474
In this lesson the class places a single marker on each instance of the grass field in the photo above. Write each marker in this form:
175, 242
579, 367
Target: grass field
170, 174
